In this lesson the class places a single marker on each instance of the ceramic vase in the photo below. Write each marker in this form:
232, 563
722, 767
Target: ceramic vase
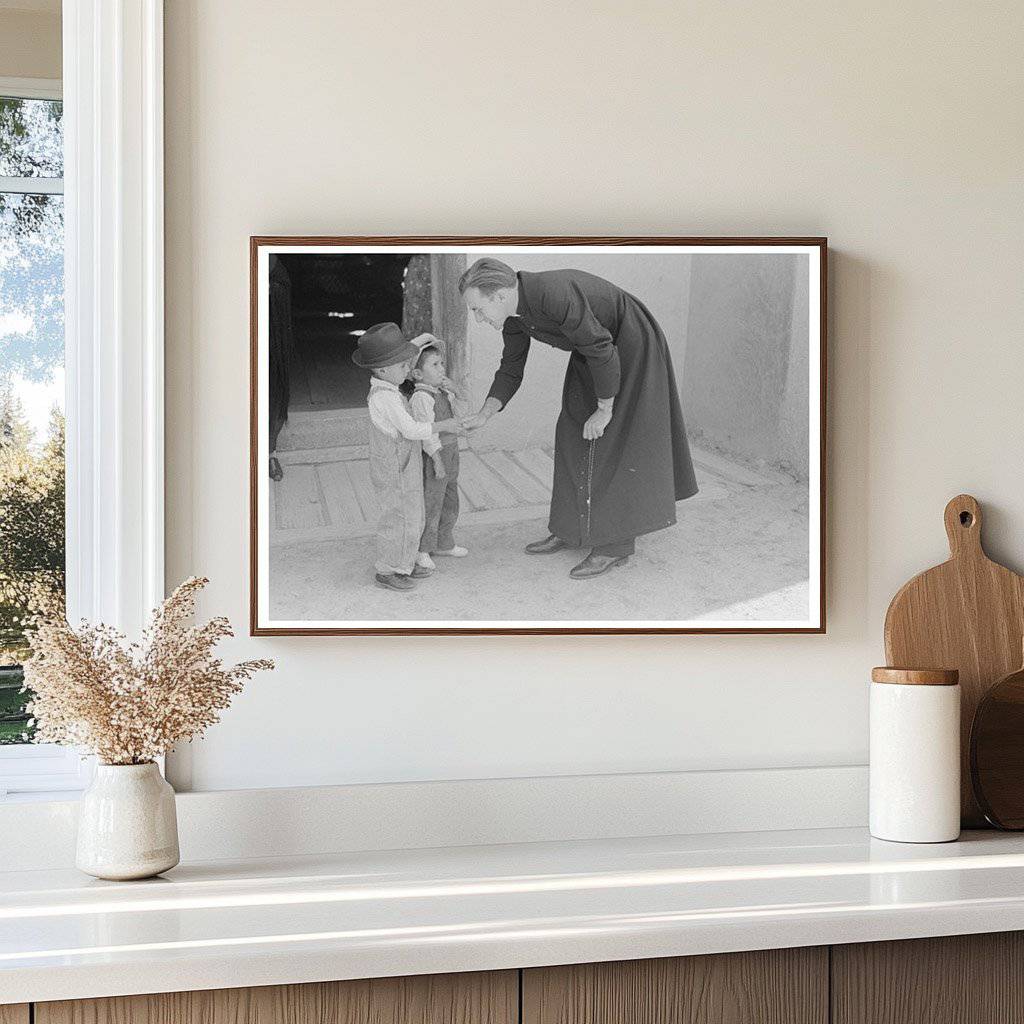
127, 825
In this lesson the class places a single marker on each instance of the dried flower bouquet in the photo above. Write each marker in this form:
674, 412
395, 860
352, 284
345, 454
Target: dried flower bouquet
129, 703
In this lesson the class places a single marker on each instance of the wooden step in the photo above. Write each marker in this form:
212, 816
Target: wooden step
328, 429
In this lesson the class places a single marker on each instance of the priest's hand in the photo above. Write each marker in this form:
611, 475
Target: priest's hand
487, 410
595, 426
474, 422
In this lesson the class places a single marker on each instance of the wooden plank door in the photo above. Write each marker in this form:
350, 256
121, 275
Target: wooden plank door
781, 986
960, 979
477, 998
14, 1013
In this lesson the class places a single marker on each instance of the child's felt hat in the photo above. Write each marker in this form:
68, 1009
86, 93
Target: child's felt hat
383, 345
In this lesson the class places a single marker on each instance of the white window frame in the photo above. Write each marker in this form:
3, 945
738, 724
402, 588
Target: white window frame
114, 328
39, 767
31, 88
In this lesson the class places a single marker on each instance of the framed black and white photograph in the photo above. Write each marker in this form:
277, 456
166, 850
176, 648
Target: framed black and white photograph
537, 435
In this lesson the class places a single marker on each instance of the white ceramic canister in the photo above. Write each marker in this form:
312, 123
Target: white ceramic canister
127, 823
915, 755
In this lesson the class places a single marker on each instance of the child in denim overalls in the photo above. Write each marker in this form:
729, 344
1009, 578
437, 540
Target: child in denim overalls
433, 398
396, 469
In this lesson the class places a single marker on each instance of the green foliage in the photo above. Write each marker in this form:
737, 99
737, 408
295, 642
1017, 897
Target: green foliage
14, 721
31, 135
31, 542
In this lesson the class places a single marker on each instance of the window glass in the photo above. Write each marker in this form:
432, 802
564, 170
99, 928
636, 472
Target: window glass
31, 387
31, 138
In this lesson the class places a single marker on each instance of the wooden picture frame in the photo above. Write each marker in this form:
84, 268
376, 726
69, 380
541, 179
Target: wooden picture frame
448, 317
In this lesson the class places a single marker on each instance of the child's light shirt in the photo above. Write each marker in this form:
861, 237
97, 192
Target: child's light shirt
422, 406
390, 415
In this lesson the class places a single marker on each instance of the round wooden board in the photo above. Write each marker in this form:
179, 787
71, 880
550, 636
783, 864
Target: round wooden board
997, 752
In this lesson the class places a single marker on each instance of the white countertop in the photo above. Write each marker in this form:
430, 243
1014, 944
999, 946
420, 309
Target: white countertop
222, 924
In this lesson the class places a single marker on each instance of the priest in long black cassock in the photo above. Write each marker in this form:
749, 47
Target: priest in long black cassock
622, 459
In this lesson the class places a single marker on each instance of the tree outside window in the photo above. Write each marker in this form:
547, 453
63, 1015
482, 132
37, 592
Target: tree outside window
31, 385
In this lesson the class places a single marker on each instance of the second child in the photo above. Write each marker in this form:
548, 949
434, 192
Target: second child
433, 399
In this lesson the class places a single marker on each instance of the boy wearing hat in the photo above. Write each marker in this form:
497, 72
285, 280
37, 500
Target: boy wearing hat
395, 454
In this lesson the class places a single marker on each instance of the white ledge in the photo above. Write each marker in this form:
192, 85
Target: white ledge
232, 923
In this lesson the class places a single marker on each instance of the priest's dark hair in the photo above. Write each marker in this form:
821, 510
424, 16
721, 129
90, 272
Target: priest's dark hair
488, 275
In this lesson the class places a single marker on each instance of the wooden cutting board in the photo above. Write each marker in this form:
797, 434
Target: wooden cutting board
967, 614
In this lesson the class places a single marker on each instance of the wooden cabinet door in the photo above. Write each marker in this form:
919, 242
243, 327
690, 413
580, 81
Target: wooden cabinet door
961, 979
777, 986
14, 1013
480, 998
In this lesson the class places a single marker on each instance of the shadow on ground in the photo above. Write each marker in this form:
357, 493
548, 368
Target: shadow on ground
742, 558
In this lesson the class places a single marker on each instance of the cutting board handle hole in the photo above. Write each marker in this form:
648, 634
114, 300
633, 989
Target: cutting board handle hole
962, 516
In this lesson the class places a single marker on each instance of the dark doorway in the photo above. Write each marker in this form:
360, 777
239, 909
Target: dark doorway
335, 297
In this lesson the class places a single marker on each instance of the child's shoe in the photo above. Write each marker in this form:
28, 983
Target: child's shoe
419, 572
455, 552
394, 581
425, 560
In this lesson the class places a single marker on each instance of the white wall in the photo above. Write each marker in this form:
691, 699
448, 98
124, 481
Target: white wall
744, 381
895, 129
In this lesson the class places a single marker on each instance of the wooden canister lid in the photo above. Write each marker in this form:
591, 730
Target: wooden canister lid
916, 676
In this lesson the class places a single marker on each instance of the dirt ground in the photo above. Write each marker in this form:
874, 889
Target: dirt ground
742, 557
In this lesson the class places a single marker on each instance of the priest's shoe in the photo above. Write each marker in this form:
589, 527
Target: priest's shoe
594, 565
548, 546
